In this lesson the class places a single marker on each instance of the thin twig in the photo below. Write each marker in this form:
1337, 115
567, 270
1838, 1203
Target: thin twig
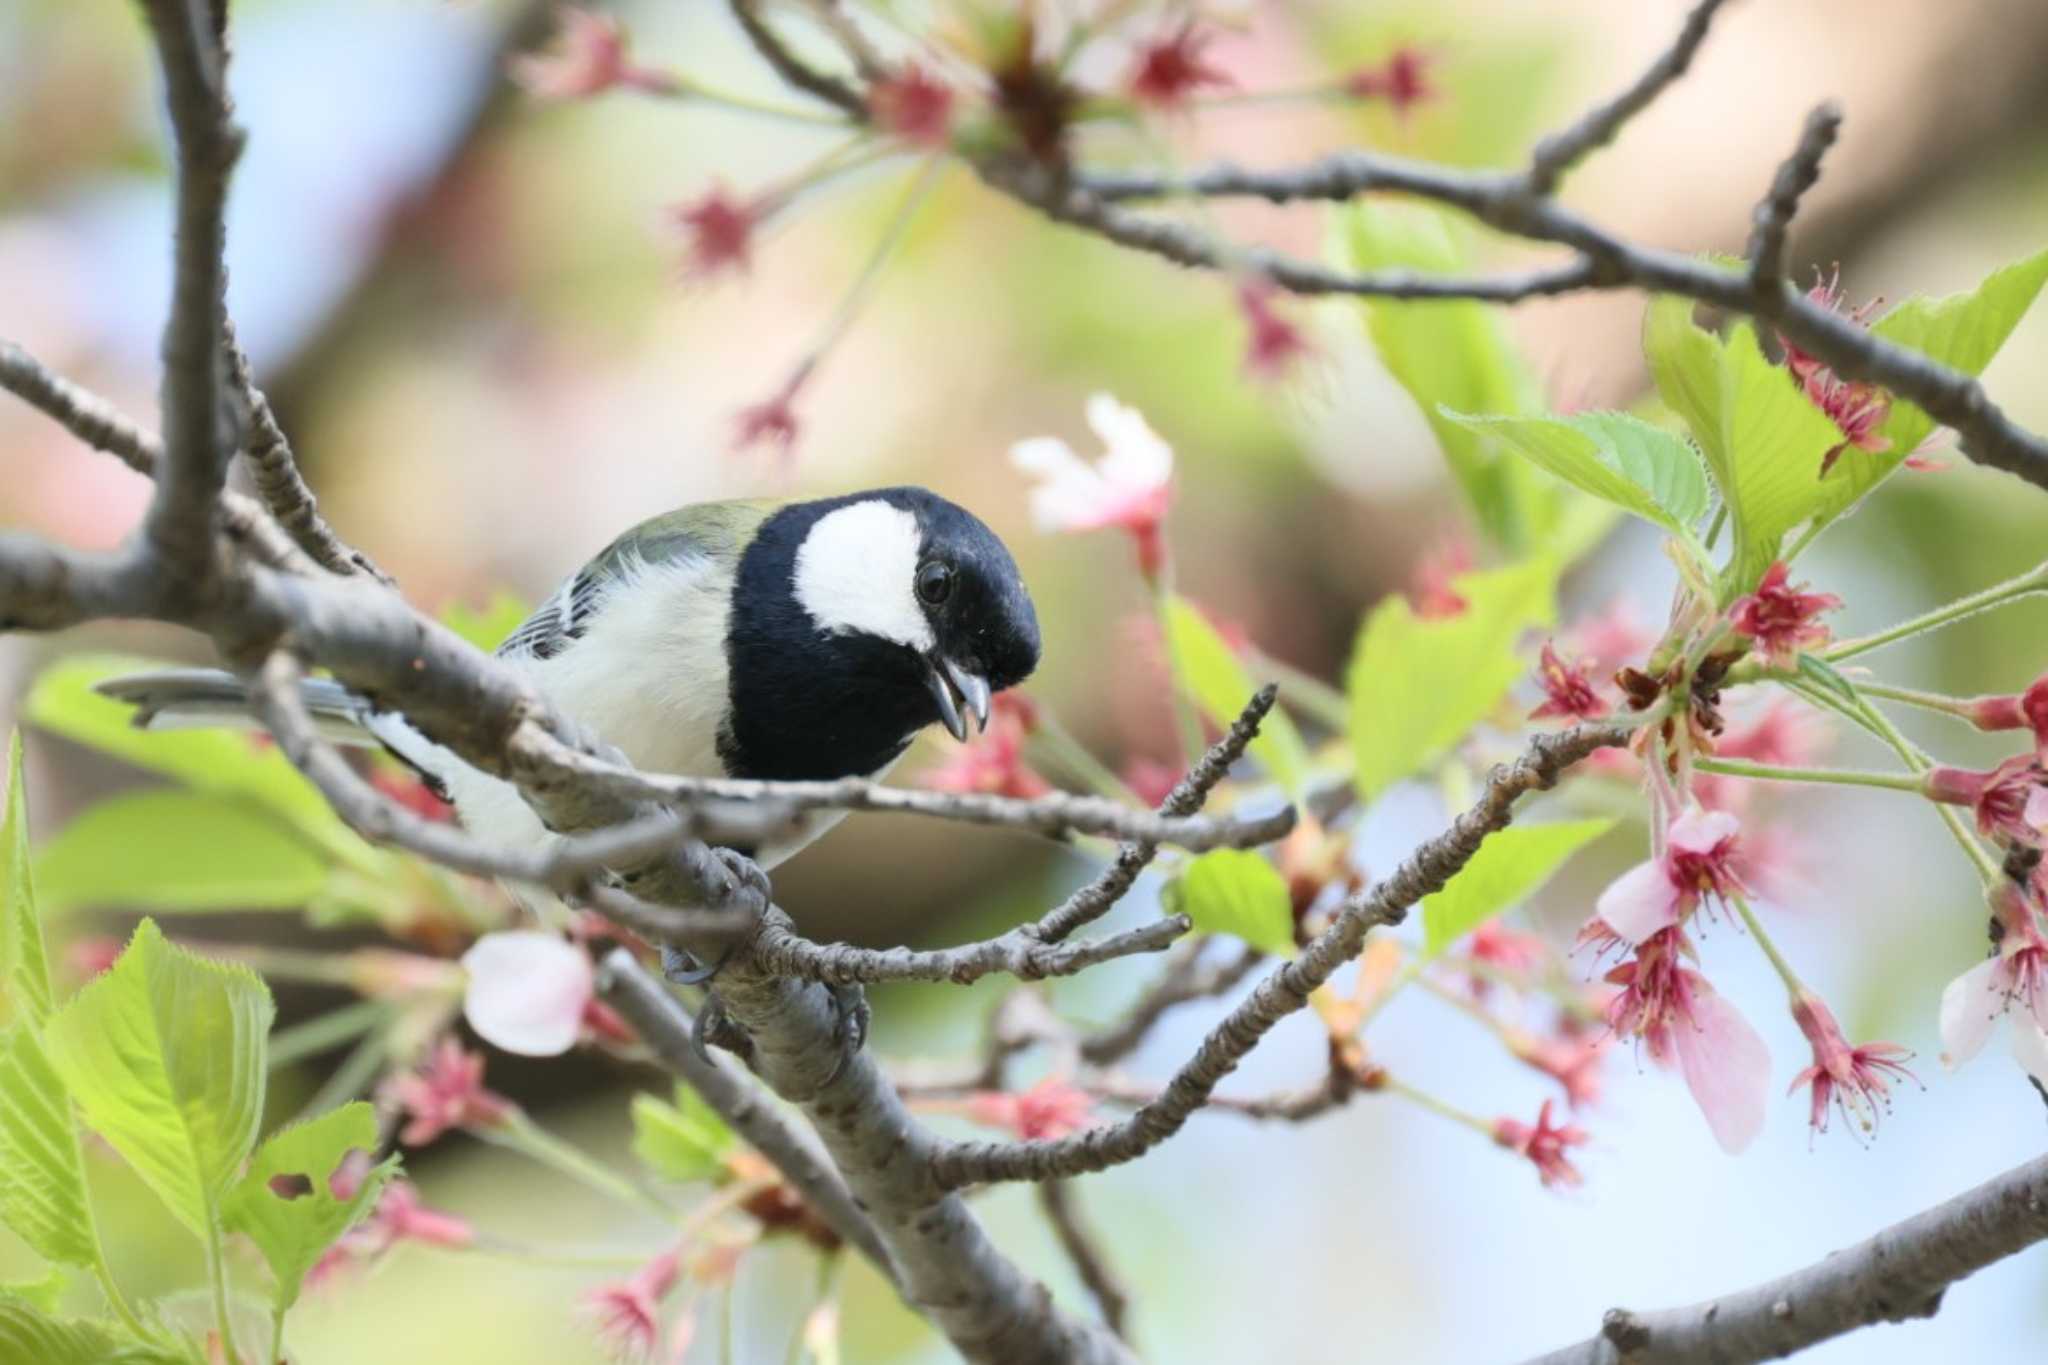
1287, 990
778, 948
1082, 1245
792, 68
1899, 1274
1599, 126
1182, 982
1799, 173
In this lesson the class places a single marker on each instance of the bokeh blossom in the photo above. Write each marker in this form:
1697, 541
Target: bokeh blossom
1130, 487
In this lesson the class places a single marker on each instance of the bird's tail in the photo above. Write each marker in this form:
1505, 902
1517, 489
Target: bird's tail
196, 698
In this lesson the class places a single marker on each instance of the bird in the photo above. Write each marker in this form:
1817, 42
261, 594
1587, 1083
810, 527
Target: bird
784, 640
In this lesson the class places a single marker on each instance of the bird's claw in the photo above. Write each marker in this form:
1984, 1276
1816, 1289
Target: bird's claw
850, 1029
685, 970
713, 1025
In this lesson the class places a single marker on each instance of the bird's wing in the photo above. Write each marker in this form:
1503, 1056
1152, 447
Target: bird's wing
714, 530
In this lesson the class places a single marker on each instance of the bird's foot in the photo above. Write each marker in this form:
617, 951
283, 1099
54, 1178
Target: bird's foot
747, 877
685, 969
714, 1026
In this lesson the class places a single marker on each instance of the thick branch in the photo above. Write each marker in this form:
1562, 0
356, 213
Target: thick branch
1899, 1274
1286, 991
664, 1026
198, 432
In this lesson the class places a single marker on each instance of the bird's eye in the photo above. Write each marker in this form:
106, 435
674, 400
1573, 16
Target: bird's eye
934, 582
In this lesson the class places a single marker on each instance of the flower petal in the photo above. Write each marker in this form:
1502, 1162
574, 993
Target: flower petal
1727, 1067
1136, 459
1701, 831
2030, 1049
527, 991
1069, 495
1639, 902
1970, 1005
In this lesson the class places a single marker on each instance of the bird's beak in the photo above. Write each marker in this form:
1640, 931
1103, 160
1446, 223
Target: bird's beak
957, 690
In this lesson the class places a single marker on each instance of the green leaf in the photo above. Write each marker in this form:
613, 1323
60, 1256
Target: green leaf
1418, 687
1235, 891
487, 626
30, 1335
1454, 354
24, 966
1817, 670
42, 1294
169, 849
1508, 867
1221, 686
164, 1054
1685, 362
684, 1141
220, 762
42, 1178
286, 1203
1962, 331
1615, 457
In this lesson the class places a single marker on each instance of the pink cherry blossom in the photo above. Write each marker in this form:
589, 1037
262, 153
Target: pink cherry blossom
1698, 863
1432, 590
588, 57
1129, 487
447, 1092
1857, 409
1568, 689
1573, 1062
1274, 342
720, 229
2016, 974
1172, 67
627, 1313
1402, 80
1546, 1145
993, 762
528, 991
1680, 1018
400, 1216
2027, 710
913, 105
1855, 1080
1780, 618
2008, 801
772, 421
1050, 1109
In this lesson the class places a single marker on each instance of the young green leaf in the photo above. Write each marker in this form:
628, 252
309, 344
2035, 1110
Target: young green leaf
24, 966
1776, 440
164, 1054
1685, 362
1456, 355
1962, 331
1417, 687
171, 850
287, 1203
1615, 457
42, 1179
1235, 891
487, 626
31, 1335
221, 762
1222, 686
1508, 867
684, 1141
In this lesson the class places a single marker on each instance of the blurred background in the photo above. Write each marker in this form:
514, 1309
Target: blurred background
470, 310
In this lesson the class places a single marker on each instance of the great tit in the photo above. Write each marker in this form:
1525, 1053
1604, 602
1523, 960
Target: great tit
750, 639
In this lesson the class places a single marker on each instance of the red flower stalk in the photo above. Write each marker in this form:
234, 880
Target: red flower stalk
1171, 68
720, 231
773, 421
1050, 1109
1855, 1080
1573, 1063
1546, 1145
2010, 801
398, 1217
1568, 689
1274, 343
1781, 618
588, 57
913, 105
2027, 710
1402, 80
447, 1092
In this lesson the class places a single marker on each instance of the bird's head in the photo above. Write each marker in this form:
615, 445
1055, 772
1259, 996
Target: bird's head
862, 619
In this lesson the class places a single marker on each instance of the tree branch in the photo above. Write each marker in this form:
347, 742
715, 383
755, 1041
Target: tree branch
1560, 152
1080, 1243
1287, 990
781, 949
1899, 1274
1799, 173
1182, 982
792, 68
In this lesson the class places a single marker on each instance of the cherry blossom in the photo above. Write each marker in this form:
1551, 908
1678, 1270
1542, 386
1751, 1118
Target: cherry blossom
588, 57
1546, 1145
2009, 801
1402, 80
1129, 487
1857, 409
1680, 1018
720, 230
1568, 689
993, 762
1050, 1109
1855, 1080
528, 991
627, 1313
1781, 618
1274, 342
913, 105
2016, 974
446, 1092
1173, 67
1698, 863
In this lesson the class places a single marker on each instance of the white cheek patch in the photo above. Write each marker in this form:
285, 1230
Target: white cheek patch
857, 570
